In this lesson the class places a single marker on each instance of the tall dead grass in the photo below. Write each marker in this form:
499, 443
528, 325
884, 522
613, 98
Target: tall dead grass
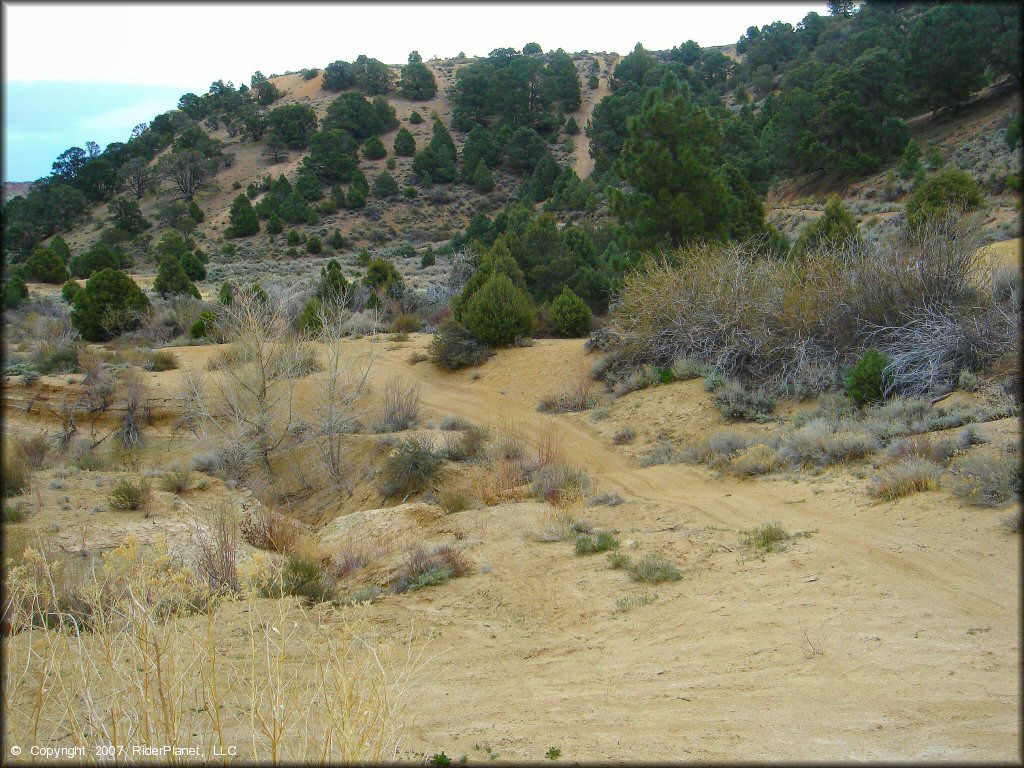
267, 678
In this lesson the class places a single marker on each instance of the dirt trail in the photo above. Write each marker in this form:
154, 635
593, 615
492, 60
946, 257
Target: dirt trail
584, 162
889, 632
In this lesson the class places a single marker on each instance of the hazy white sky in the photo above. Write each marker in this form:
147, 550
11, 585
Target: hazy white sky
195, 43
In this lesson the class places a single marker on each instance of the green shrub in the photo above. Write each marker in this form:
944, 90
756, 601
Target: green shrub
453, 347
499, 312
415, 118
428, 259
866, 382
130, 496
941, 191
203, 326
410, 468
570, 315
591, 544
46, 266
834, 226
111, 302
62, 359
69, 290
303, 577
767, 537
314, 245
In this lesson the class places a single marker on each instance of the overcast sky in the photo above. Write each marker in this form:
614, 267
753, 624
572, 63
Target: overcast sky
185, 47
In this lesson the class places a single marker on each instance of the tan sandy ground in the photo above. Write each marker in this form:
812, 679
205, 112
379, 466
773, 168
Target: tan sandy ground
890, 632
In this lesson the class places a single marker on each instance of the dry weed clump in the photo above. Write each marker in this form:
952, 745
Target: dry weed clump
269, 530
757, 459
652, 569
131, 496
283, 686
719, 449
401, 406
923, 298
576, 398
767, 537
823, 442
907, 475
986, 476
470, 444
409, 469
429, 568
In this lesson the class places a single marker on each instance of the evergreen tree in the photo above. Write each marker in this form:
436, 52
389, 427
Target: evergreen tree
483, 181
417, 81
110, 300
193, 266
384, 185
911, 160
45, 266
171, 279
242, 217
835, 226
373, 148
570, 316
499, 313
405, 144
671, 160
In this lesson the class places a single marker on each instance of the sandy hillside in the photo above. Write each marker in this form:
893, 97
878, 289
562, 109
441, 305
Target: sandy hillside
591, 98
888, 632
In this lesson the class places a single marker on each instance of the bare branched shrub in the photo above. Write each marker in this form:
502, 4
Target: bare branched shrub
400, 409
98, 380
341, 381
268, 529
247, 405
130, 430
216, 540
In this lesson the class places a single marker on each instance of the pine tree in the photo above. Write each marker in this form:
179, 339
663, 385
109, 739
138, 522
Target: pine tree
243, 218
171, 278
671, 160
